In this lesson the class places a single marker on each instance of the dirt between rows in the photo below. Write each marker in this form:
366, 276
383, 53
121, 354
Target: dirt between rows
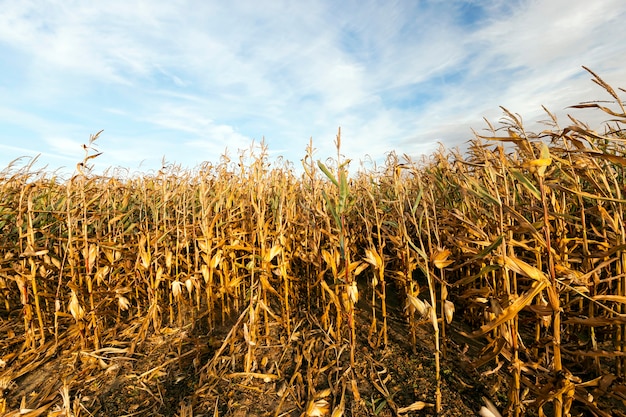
194, 371
167, 375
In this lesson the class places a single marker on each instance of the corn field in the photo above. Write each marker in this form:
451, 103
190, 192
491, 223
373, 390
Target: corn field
249, 278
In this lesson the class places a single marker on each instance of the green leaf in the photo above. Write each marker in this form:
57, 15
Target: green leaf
380, 407
331, 207
527, 183
477, 190
483, 271
489, 248
418, 250
418, 199
344, 191
327, 173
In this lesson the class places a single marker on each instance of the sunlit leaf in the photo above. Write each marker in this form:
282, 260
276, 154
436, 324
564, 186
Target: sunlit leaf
328, 174
511, 311
317, 408
440, 258
527, 183
416, 406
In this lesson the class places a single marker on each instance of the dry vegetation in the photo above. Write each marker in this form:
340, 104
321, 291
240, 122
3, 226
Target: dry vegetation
244, 289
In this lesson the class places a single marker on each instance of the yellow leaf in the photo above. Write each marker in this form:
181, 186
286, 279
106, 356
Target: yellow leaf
215, 260
92, 254
354, 266
331, 293
541, 162
33, 253
330, 260
614, 298
159, 277
323, 393
433, 319
372, 257
75, 309
338, 411
416, 406
276, 249
246, 335
266, 285
360, 268
510, 312
355, 390
440, 258
521, 267
101, 273
545, 151
317, 408
168, 259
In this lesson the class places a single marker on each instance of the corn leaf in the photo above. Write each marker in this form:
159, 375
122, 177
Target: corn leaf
512, 310
328, 174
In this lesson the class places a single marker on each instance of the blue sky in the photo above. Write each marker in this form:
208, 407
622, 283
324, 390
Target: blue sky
188, 80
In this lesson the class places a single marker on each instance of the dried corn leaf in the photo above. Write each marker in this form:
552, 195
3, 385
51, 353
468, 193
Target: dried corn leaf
271, 254
416, 406
331, 293
448, 309
517, 265
590, 195
613, 298
76, 309
414, 304
440, 258
485, 270
372, 257
29, 253
597, 321
317, 408
511, 311
475, 188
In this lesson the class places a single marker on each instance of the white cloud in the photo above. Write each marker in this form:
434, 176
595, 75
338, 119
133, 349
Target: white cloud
66, 146
187, 79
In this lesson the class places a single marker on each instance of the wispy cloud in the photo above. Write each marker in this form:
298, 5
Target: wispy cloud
186, 80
